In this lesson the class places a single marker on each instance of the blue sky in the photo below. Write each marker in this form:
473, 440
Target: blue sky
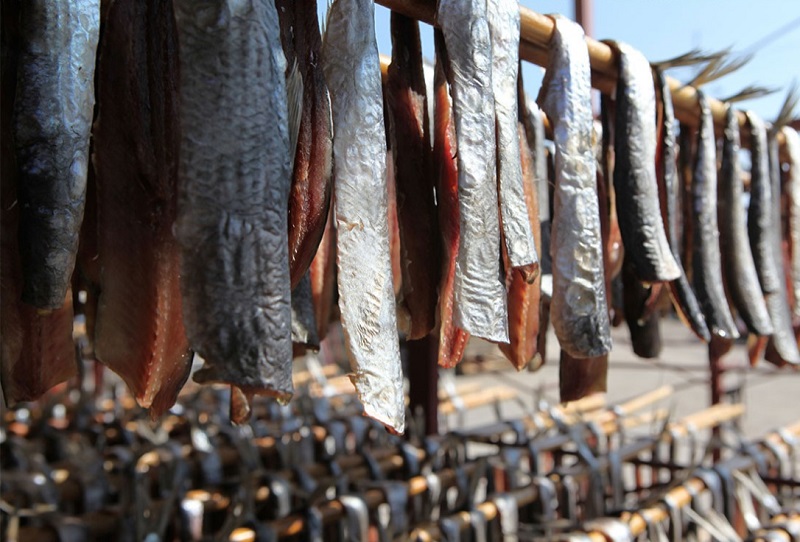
666, 28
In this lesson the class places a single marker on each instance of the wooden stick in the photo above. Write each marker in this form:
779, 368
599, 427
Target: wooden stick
479, 398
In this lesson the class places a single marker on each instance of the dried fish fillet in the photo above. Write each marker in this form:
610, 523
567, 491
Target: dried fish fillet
480, 301
235, 176
304, 327
366, 300
52, 122
739, 270
578, 309
793, 189
634, 170
503, 19
323, 278
706, 260
140, 333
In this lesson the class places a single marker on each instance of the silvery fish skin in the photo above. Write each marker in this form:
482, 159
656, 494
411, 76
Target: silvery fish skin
707, 272
578, 308
793, 188
480, 298
234, 177
503, 19
737, 259
52, 122
683, 298
760, 218
366, 298
634, 170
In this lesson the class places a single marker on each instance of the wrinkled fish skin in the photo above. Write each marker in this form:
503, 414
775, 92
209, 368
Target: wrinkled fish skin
760, 219
452, 339
793, 188
366, 301
737, 259
480, 299
683, 298
635, 184
52, 122
707, 272
503, 19
234, 171
418, 223
310, 194
578, 308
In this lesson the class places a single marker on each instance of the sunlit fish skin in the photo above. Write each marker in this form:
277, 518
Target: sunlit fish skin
760, 219
480, 298
578, 308
793, 187
366, 298
52, 123
235, 175
503, 18
737, 260
683, 298
634, 172
706, 260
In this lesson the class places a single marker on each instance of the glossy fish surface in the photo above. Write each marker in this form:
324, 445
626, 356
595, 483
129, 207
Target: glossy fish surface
234, 190
52, 122
366, 296
480, 300
578, 309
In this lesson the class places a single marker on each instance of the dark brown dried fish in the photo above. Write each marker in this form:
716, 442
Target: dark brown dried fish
793, 190
644, 328
580, 377
323, 279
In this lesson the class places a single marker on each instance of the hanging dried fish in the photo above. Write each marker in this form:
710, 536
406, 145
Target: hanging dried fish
739, 270
683, 299
366, 301
140, 333
52, 122
452, 339
304, 327
614, 252
234, 193
634, 170
644, 328
323, 278
580, 377
310, 194
503, 19
686, 151
793, 189
707, 273
480, 301
578, 310
416, 210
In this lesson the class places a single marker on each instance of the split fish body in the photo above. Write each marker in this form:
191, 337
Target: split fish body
234, 190
739, 268
323, 278
706, 260
52, 123
480, 300
793, 188
578, 309
635, 183
366, 300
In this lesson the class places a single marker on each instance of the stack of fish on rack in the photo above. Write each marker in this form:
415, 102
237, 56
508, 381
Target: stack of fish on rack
192, 177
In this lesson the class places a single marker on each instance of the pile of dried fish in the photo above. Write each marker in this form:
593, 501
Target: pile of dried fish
236, 168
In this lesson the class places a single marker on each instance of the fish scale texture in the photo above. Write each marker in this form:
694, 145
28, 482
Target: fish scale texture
234, 193
366, 294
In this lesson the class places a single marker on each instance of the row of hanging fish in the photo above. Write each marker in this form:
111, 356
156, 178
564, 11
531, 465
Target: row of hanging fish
202, 172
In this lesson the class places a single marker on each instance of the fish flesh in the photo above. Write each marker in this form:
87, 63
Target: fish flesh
452, 339
580, 377
234, 194
366, 298
310, 193
683, 299
524, 297
706, 260
686, 151
634, 170
578, 308
503, 19
404, 319
739, 269
140, 333
52, 122
36, 348
322, 273
414, 182
480, 299
614, 252
760, 218
793, 190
